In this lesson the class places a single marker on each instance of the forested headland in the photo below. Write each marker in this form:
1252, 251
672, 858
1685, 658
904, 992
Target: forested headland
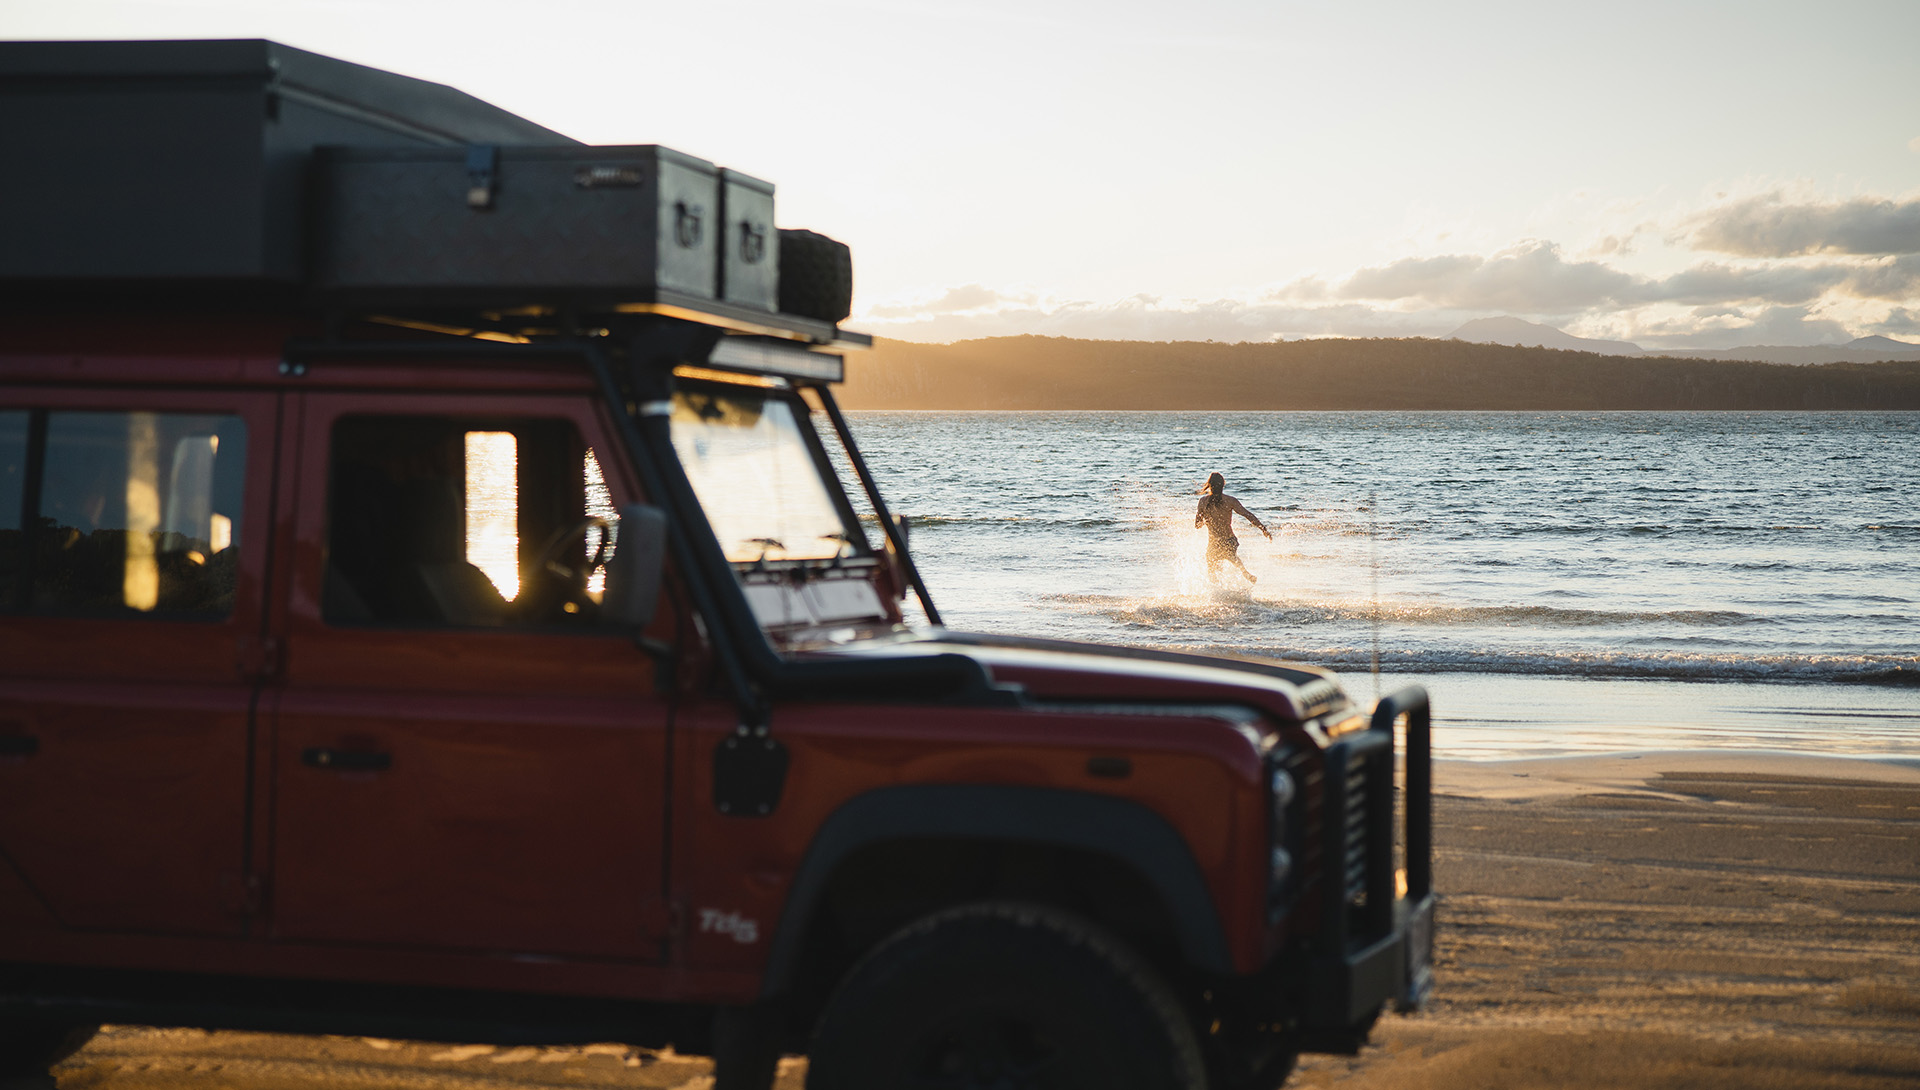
1408, 373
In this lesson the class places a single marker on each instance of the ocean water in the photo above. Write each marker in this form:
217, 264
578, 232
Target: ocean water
1561, 582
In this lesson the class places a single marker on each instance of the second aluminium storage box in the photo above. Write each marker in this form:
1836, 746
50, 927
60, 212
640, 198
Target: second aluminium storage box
749, 244
512, 226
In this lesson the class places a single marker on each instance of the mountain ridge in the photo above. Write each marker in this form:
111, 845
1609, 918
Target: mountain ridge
1520, 333
1035, 373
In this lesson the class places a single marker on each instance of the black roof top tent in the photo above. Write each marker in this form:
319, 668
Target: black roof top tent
181, 172
187, 160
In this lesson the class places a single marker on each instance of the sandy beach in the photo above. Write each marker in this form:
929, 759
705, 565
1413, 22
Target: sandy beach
1700, 920
1666, 920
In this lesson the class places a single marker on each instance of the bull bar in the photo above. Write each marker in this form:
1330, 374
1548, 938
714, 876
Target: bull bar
1375, 947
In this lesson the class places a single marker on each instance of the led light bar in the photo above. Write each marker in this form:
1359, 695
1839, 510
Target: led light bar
763, 357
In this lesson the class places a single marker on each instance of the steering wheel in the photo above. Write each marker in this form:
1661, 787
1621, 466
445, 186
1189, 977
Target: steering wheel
570, 579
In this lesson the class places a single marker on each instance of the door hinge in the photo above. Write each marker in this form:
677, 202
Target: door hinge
663, 920
243, 894
258, 657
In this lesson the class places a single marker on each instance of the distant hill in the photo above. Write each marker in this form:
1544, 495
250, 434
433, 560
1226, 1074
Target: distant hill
1878, 343
1520, 333
1410, 373
1861, 350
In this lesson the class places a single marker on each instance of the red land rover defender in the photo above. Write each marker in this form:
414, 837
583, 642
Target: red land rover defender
441, 598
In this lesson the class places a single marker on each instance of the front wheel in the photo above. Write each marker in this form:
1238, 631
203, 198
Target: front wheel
1007, 996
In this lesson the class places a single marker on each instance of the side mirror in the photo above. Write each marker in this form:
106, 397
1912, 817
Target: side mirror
633, 574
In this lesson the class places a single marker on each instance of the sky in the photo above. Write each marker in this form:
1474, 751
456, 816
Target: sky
1677, 174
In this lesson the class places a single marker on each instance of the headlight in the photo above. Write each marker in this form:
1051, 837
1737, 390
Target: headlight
1282, 795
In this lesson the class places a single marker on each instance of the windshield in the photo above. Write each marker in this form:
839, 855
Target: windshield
756, 476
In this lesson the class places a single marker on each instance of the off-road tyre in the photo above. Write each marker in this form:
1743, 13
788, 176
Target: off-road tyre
30, 1048
1269, 1072
746, 1047
1004, 995
816, 276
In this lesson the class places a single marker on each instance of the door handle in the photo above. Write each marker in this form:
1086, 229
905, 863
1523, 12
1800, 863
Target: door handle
18, 745
346, 760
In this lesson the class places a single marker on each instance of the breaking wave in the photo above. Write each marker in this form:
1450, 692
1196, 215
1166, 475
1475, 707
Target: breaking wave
1900, 671
1228, 608
1312, 632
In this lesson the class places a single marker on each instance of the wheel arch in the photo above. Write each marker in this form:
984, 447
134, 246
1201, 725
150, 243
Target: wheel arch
1124, 832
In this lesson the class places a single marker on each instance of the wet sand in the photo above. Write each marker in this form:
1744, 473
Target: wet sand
1629, 921
1666, 920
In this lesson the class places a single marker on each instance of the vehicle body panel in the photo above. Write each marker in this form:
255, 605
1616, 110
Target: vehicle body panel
523, 808
839, 753
132, 813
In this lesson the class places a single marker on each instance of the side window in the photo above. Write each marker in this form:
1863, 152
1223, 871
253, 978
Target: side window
110, 513
464, 522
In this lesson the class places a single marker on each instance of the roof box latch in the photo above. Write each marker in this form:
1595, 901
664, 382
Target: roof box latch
482, 161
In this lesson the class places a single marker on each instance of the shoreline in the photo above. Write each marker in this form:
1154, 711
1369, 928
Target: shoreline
1636, 772
1518, 716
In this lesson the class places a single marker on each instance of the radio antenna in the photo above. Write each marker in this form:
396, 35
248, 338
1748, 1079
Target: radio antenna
1373, 564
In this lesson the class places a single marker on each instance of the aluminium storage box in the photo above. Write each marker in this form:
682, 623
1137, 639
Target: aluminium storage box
749, 244
517, 226
186, 161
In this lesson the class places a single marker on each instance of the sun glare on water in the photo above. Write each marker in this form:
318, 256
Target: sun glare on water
493, 508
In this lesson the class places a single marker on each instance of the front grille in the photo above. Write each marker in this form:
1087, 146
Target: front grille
1355, 856
1357, 852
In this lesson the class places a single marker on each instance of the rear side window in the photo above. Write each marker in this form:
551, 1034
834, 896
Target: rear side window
116, 513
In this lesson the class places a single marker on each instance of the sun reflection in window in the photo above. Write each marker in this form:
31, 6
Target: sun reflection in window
493, 508
599, 505
140, 587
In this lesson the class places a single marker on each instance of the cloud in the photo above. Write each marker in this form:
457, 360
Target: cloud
1898, 321
1537, 280
1710, 284
1151, 318
1532, 278
953, 300
1307, 289
1794, 325
1611, 245
1733, 327
1768, 226
970, 297
1800, 273
1893, 280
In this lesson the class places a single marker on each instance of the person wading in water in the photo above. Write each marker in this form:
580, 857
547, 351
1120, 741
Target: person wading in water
1216, 514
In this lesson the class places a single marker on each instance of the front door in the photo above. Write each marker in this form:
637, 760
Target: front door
133, 546
465, 759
